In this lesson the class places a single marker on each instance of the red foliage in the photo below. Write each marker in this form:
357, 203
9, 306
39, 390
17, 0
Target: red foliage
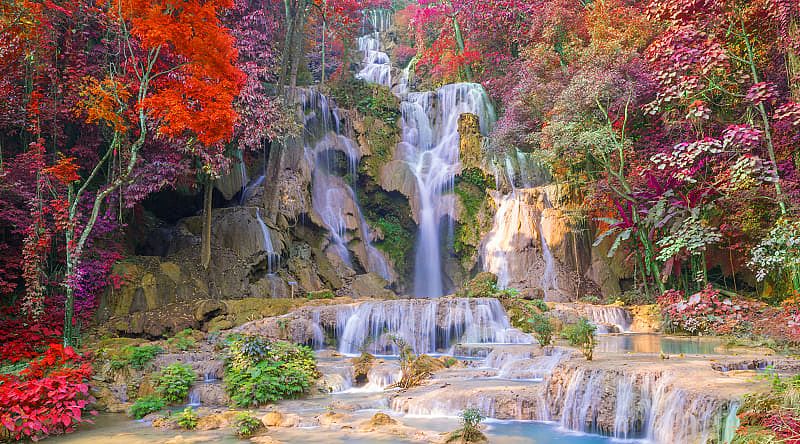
49, 397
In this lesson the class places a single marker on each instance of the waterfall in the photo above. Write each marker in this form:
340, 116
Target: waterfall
525, 365
427, 326
429, 146
512, 224
435, 162
582, 402
624, 408
730, 424
549, 281
604, 315
272, 257
332, 197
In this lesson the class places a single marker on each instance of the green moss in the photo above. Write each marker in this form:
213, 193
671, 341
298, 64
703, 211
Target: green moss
370, 100
382, 139
321, 294
469, 227
397, 242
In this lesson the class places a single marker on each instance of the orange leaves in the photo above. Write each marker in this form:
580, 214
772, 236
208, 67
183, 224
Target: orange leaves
104, 102
201, 106
65, 170
195, 80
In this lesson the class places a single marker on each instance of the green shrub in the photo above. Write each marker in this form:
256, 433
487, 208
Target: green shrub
144, 406
187, 419
247, 425
183, 340
581, 335
471, 419
538, 304
397, 242
259, 372
173, 382
542, 328
140, 356
321, 294
247, 351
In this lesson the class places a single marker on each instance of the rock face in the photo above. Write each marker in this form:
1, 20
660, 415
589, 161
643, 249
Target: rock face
527, 246
471, 140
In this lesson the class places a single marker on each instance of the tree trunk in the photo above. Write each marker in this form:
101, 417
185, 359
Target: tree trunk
461, 47
322, 75
205, 249
297, 44
287, 46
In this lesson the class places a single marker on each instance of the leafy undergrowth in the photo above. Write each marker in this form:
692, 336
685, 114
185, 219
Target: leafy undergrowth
708, 312
50, 396
772, 417
259, 372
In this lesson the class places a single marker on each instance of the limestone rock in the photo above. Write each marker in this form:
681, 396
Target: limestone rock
379, 420
370, 285
288, 420
217, 420
328, 419
470, 141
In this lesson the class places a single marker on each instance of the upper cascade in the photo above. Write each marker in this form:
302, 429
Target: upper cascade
429, 147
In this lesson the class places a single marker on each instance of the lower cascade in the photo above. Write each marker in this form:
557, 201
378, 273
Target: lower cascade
427, 326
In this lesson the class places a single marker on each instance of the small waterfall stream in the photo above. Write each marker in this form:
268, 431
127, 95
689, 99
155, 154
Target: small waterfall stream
272, 257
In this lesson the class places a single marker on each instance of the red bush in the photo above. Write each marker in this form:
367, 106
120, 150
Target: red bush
49, 397
786, 425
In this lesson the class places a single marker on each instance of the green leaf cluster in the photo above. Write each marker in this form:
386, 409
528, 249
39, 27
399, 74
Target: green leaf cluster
258, 372
542, 328
136, 356
146, 405
247, 425
187, 419
581, 334
173, 382
183, 340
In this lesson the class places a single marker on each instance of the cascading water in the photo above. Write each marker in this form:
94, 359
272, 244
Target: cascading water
609, 315
426, 326
333, 198
272, 257
549, 280
429, 146
512, 220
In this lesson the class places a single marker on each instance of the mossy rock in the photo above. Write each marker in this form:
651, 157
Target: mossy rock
244, 310
321, 294
483, 285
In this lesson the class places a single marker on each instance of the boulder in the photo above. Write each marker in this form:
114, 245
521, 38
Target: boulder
328, 419
370, 285
216, 420
377, 422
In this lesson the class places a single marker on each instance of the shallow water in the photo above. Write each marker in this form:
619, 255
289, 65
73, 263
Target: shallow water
118, 429
655, 343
